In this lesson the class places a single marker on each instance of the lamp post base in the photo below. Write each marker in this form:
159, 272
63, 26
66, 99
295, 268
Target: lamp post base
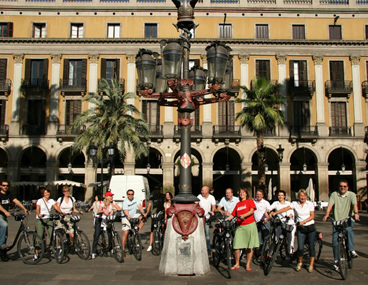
187, 198
184, 257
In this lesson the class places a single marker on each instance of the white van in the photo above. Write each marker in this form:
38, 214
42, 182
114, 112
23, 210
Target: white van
120, 184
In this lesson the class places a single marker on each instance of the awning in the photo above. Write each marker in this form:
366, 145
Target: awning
66, 182
27, 183
94, 184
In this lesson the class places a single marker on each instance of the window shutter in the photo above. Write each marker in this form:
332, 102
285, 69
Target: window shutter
3, 68
291, 71
45, 70
117, 68
303, 70
103, 68
84, 71
2, 112
10, 29
66, 70
28, 70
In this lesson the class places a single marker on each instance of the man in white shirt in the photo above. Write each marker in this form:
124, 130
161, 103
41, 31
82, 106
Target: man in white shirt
227, 203
208, 203
263, 224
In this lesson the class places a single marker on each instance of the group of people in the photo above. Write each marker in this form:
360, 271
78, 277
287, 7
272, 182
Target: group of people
253, 220
252, 216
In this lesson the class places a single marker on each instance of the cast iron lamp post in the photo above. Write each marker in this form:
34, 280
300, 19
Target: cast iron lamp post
187, 87
93, 154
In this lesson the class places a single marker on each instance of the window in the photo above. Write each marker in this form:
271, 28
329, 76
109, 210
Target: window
72, 109
366, 32
338, 118
3, 70
301, 115
6, 30
226, 116
151, 113
262, 31
36, 117
225, 31
2, 113
298, 73
36, 73
150, 30
335, 32
75, 71
39, 30
113, 31
110, 69
263, 69
76, 31
298, 32
337, 74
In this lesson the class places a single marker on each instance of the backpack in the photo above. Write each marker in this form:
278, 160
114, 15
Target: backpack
62, 199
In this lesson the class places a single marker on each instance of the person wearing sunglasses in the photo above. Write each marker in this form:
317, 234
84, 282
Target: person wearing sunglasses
6, 198
344, 204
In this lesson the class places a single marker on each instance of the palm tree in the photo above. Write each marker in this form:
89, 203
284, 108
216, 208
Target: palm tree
261, 114
111, 121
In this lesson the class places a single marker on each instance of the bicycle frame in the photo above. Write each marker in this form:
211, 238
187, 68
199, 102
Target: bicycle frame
22, 228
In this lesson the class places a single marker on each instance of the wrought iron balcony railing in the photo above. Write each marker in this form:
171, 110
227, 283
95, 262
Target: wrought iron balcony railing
121, 83
33, 130
304, 133
340, 131
35, 84
253, 82
339, 86
196, 131
365, 88
4, 132
302, 87
79, 85
5, 85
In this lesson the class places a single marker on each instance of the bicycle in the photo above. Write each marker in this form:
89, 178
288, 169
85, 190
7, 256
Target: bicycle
271, 246
82, 206
27, 204
223, 237
107, 244
80, 244
56, 239
30, 247
158, 235
345, 259
134, 243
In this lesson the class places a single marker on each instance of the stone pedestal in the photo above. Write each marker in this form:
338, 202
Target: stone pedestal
184, 257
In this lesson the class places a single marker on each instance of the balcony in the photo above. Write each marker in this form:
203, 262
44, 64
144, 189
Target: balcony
33, 130
338, 88
340, 131
365, 89
366, 135
304, 87
72, 87
121, 84
227, 132
4, 133
196, 133
5, 85
156, 133
35, 85
303, 134
252, 83
64, 133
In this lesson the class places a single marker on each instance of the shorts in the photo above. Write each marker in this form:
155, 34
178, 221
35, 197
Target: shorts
125, 224
65, 224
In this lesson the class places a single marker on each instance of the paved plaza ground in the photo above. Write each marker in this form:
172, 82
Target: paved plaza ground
105, 270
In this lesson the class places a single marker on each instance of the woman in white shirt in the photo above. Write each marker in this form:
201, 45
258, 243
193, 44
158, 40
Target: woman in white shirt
43, 209
278, 205
67, 207
304, 211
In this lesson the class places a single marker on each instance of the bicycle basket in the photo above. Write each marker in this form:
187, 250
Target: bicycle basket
227, 224
19, 217
75, 219
111, 218
54, 217
157, 216
341, 224
134, 221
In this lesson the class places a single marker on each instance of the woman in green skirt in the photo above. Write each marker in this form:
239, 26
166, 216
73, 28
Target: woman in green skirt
246, 234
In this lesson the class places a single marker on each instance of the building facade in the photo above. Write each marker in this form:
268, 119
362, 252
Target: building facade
55, 52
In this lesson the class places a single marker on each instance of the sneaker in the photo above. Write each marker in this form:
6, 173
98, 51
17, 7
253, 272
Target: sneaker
3, 247
354, 254
149, 248
336, 266
35, 257
93, 255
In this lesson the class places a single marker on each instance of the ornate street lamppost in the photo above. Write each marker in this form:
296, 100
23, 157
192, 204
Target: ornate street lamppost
187, 91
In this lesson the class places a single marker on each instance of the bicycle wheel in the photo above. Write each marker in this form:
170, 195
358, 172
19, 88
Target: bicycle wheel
137, 249
265, 251
101, 244
342, 260
157, 243
58, 246
350, 259
117, 248
30, 248
284, 252
130, 242
229, 257
217, 250
318, 244
82, 245
274, 249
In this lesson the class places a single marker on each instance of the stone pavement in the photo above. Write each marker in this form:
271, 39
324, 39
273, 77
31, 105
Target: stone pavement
106, 269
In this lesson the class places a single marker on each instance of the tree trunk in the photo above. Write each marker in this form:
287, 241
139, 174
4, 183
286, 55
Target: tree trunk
261, 170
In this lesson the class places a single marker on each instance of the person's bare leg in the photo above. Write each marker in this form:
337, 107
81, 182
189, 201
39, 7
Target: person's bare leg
124, 239
249, 257
237, 258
